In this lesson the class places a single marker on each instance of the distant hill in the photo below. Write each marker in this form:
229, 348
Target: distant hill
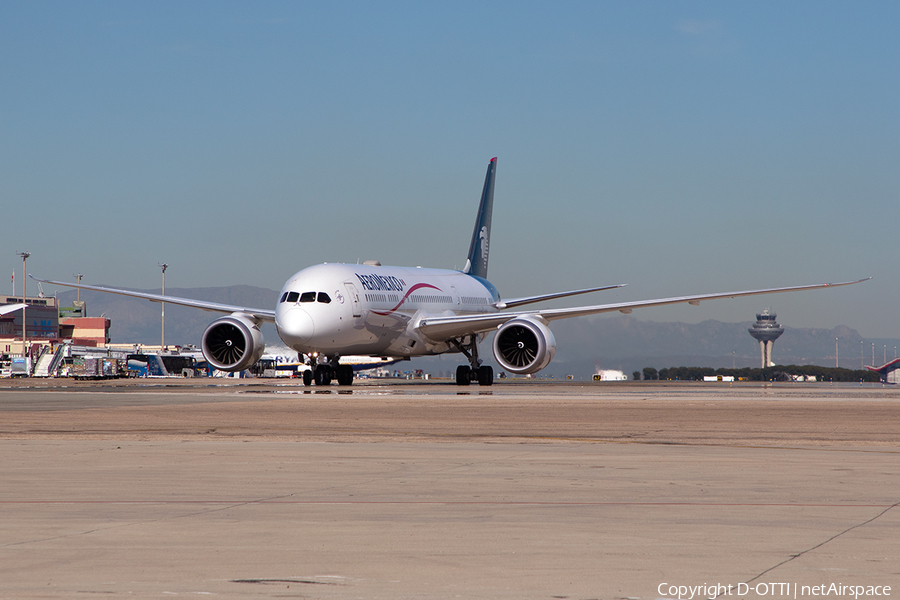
629, 344
583, 344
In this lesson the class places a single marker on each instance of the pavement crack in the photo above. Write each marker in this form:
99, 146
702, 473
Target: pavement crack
146, 521
289, 580
820, 544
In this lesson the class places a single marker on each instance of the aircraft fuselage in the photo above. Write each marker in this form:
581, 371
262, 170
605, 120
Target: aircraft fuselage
341, 309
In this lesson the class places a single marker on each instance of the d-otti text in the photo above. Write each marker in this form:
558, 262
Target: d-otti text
780, 589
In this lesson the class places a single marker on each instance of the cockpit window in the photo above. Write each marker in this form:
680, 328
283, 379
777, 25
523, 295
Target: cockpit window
306, 297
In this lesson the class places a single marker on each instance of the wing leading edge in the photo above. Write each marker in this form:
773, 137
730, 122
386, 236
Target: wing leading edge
446, 328
514, 302
258, 313
10, 308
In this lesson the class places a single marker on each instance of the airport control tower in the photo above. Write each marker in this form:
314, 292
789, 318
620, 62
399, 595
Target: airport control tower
766, 330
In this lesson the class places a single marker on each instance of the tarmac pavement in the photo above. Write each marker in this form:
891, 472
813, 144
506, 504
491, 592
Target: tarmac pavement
524, 491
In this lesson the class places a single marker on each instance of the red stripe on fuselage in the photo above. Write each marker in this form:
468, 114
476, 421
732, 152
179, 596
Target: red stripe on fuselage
403, 299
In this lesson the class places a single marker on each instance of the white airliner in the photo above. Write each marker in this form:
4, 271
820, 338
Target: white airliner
328, 311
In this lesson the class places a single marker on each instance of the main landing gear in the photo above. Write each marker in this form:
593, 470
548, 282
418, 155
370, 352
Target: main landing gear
483, 374
324, 374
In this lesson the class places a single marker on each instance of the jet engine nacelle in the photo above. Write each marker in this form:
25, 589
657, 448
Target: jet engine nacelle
233, 343
524, 345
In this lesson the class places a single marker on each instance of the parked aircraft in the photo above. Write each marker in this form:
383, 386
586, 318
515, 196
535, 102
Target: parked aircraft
330, 311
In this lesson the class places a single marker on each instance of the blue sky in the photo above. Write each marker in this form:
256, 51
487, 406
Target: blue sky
677, 147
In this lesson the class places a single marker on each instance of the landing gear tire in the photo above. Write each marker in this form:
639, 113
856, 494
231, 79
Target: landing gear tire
307, 377
344, 374
323, 375
463, 375
485, 375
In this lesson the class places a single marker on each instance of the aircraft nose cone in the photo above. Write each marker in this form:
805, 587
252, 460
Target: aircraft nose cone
295, 325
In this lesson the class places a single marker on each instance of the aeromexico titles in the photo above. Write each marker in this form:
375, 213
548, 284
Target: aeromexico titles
328, 311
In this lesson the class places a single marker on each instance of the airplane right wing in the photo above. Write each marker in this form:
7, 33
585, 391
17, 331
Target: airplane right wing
447, 328
8, 308
258, 313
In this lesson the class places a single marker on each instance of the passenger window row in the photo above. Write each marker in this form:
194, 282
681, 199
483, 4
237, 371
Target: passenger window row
306, 297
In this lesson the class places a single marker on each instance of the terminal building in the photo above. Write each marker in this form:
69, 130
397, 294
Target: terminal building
65, 341
48, 324
42, 315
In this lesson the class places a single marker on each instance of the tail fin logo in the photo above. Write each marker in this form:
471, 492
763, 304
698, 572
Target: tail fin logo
477, 259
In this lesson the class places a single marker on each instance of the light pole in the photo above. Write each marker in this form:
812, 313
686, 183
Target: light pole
162, 343
24, 256
836, 363
78, 277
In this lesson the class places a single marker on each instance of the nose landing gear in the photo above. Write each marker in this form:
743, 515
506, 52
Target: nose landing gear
324, 374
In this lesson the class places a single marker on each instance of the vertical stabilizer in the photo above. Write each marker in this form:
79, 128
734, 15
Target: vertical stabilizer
477, 261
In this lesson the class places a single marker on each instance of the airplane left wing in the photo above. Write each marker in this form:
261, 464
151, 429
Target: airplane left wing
258, 313
446, 328
514, 302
